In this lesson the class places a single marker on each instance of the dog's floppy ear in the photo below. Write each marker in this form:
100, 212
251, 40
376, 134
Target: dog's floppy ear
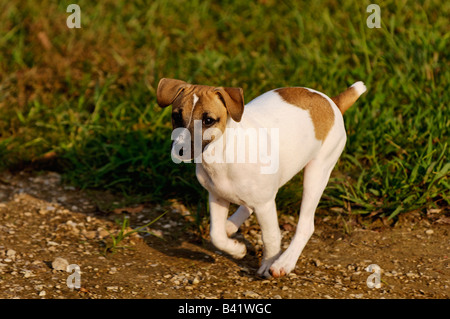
233, 98
168, 90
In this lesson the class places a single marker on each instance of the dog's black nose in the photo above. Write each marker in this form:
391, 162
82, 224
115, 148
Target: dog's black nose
180, 152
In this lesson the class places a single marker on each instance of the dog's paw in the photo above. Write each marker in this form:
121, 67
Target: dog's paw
277, 272
231, 246
282, 266
266, 264
264, 270
238, 251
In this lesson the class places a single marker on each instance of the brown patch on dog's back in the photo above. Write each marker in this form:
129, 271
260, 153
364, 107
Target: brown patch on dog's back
319, 108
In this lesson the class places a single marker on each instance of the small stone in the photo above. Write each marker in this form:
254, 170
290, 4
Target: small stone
317, 262
251, 294
60, 264
113, 270
102, 233
42, 293
90, 234
10, 253
429, 232
38, 287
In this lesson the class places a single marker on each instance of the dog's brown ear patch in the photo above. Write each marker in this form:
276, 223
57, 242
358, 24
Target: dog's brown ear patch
319, 108
168, 90
233, 98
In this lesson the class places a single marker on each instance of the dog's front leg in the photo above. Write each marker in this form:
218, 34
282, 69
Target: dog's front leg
218, 213
271, 236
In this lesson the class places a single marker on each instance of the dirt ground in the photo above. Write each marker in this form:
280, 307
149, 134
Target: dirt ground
41, 219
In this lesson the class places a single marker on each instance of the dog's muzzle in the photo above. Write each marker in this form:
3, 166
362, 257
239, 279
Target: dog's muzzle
181, 145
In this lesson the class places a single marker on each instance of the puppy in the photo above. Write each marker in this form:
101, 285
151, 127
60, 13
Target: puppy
288, 129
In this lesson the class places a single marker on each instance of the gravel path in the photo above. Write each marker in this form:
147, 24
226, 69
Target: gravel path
46, 226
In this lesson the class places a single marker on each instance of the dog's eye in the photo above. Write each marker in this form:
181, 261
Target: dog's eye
208, 121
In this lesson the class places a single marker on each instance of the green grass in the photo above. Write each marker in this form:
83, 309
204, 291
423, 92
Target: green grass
89, 96
125, 231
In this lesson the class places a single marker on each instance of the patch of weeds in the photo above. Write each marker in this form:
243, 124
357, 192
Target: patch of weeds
124, 232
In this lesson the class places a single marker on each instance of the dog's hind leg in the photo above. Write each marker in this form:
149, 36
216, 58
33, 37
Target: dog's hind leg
316, 176
237, 219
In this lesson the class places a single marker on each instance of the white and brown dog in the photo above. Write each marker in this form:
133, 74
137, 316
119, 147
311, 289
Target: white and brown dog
310, 134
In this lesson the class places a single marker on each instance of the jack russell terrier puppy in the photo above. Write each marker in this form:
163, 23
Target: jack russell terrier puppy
302, 127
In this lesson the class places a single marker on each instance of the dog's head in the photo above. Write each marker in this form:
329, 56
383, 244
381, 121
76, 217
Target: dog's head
203, 104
